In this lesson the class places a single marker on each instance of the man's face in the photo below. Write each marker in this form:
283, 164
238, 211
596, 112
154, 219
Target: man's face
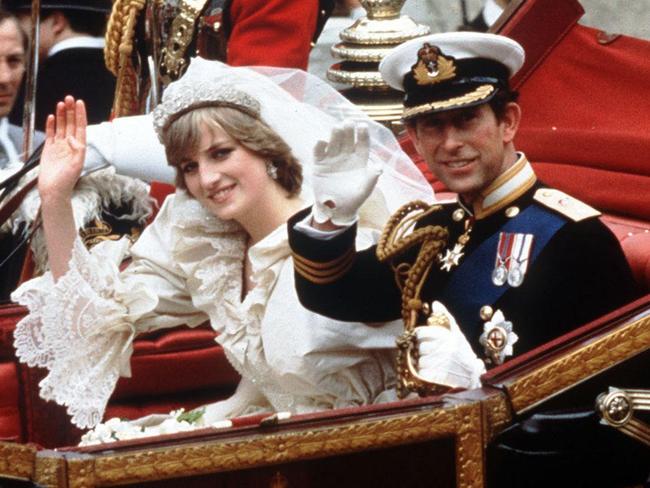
466, 148
12, 64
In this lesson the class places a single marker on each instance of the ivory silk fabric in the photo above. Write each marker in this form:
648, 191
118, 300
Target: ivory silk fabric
186, 267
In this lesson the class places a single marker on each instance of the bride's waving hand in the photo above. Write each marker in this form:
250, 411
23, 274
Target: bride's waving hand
61, 164
64, 150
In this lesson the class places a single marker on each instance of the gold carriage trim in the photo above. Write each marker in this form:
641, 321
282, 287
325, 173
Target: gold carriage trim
322, 273
617, 408
480, 93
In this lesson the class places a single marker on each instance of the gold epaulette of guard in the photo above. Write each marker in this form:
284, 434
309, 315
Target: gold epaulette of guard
322, 273
564, 204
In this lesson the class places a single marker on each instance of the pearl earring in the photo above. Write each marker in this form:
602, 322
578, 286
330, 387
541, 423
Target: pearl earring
271, 170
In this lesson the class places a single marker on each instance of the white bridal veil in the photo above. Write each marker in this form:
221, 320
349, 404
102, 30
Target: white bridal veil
302, 109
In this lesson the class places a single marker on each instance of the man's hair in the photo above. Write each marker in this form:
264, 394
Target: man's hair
499, 102
82, 21
6, 15
182, 137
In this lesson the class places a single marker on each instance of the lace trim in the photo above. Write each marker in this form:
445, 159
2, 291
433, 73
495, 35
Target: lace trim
211, 253
81, 330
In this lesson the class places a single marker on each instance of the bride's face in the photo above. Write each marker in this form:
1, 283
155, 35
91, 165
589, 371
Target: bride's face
227, 178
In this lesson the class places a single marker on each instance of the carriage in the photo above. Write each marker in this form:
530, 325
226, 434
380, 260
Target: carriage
588, 139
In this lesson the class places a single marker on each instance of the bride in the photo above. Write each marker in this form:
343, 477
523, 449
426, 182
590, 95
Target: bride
242, 143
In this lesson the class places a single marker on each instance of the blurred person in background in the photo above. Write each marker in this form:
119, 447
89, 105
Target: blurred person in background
71, 50
13, 44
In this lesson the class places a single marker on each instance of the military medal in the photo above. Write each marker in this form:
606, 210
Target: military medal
500, 272
511, 263
521, 248
452, 256
515, 276
499, 275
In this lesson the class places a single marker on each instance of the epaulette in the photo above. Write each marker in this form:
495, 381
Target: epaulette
564, 204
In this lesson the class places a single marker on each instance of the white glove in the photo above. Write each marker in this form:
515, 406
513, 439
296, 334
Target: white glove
445, 356
131, 146
343, 174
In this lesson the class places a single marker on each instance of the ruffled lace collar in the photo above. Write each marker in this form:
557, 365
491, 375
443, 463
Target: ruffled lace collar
190, 214
210, 252
267, 258
269, 252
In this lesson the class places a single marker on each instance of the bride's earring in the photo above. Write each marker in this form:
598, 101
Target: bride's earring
271, 170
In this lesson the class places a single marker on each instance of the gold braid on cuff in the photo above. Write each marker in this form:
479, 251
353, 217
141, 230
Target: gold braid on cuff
323, 273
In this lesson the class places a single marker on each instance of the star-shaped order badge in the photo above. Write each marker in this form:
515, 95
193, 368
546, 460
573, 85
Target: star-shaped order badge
498, 338
451, 257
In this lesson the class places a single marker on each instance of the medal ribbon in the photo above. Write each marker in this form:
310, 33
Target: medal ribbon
520, 252
503, 249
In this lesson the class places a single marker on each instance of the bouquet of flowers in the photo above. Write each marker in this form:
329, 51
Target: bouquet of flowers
116, 429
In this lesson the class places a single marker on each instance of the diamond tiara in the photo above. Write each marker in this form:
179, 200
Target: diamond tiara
182, 97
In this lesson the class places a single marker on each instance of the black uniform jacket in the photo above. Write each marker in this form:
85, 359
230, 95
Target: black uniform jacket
580, 274
76, 71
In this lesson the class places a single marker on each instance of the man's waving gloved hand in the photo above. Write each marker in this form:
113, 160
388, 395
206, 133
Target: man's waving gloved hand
343, 175
445, 356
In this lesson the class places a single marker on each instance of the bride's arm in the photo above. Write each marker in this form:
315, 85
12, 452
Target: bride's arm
81, 328
61, 164
84, 315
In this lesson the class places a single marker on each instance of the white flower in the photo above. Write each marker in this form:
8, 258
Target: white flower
104, 433
172, 426
116, 429
176, 413
113, 422
221, 424
89, 439
126, 431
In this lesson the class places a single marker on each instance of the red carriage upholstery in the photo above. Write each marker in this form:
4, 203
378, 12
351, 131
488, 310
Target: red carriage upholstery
585, 119
10, 397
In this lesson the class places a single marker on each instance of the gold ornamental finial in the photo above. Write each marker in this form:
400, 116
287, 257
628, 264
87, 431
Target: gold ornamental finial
364, 44
382, 9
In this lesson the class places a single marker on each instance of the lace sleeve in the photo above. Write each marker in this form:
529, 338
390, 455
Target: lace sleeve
81, 329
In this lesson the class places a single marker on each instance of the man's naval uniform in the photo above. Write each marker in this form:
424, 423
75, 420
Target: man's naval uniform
576, 270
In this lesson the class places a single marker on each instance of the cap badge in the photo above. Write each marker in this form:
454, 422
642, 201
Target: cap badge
432, 66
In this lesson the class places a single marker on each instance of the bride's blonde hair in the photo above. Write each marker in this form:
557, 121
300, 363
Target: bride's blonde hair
181, 139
